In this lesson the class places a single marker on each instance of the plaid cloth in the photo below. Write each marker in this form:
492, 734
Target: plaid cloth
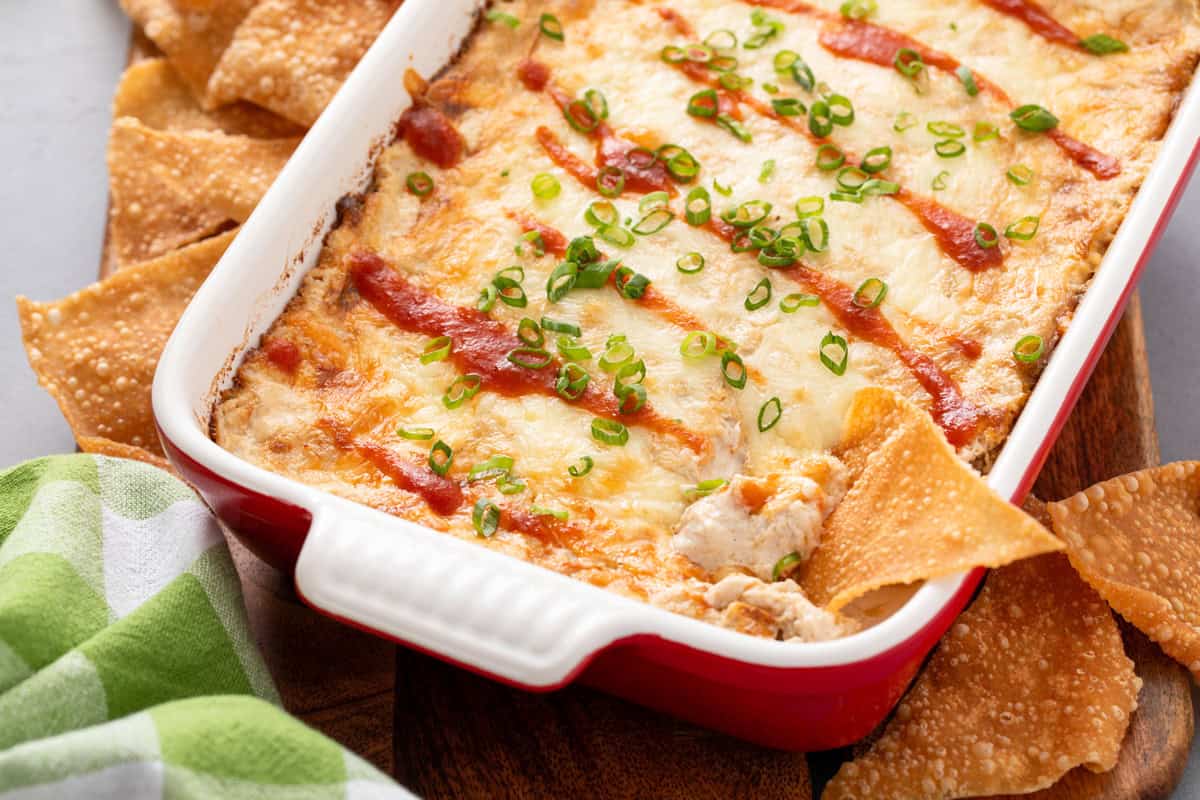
127, 669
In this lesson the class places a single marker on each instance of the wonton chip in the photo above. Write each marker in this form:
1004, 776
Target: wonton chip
1136, 540
152, 92
171, 188
291, 56
95, 351
1031, 682
100, 446
914, 510
192, 33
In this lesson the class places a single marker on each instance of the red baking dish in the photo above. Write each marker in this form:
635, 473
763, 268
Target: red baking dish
505, 618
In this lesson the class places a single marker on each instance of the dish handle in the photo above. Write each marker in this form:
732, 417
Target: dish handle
466, 603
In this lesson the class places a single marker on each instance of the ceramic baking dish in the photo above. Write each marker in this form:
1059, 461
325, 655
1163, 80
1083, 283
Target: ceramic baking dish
503, 617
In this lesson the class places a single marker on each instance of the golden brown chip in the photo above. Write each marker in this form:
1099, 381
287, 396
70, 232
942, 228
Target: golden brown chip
1031, 682
914, 510
152, 92
107, 447
1136, 540
95, 351
291, 56
192, 33
171, 188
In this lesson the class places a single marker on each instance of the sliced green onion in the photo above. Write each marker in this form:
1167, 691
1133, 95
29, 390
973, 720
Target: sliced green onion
788, 106
946, 130
625, 391
510, 291
703, 103
851, 179
810, 206
673, 54
653, 222
533, 238
968, 80
561, 281
441, 457
570, 349
762, 235
794, 302
616, 355
595, 101
545, 186
835, 363
705, 488
784, 61
847, 197
785, 566
875, 186
724, 191
985, 131
682, 165
551, 27
509, 485
610, 181
870, 293
653, 202
616, 235
1034, 118
494, 467
768, 169
485, 516
419, 183
582, 468
734, 127
600, 213
723, 39
1029, 349
733, 370
908, 62
609, 432
499, 16
530, 332
950, 148
572, 381
487, 298
698, 208
769, 415
748, 214
538, 511
1023, 229
802, 74
530, 357
1102, 44
816, 243
830, 157
631, 285
1020, 174
699, 53
781, 253
841, 110
986, 236
820, 120
555, 326
876, 160
698, 344
759, 296
690, 263
939, 183
732, 81
904, 121
858, 9
463, 389
415, 434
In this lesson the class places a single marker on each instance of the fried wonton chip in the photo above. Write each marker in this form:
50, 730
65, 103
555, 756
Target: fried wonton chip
154, 94
1031, 682
1136, 540
107, 447
914, 510
171, 188
192, 33
95, 351
291, 56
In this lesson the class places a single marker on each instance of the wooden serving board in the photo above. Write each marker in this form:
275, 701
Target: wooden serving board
444, 732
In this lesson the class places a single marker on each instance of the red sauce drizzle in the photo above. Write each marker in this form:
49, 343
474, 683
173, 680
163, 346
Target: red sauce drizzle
579, 169
534, 74
682, 26
552, 238
431, 135
482, 344
955, 234
1102, 166
443, 495
956, 415
283, 353
1038, 20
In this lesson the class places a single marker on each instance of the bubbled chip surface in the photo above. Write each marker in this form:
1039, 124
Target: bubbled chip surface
1031, 682
1136, 540
96, 351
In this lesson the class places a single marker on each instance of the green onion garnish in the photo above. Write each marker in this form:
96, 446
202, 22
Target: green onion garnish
601, 213
654, 201
609, 432
616, 235
1023, 229
441, 456
703, 103
419, 183
545, 186
835, 363
816, 243
551, 27
570, 349
625, 391
841, 110
748, 214
1102, 44
782, 252
734, 127
768, 169
939, 182
415, 434
986, 236
724, 191
618, 353
534, 240
487, 298
830, 157
1020, 174
769, 415
494, 467
653, 222
846, 197
572, 381
555, 326
705, 488
785, 566
698, 208
794, 302
904, 121
530, 357
908, 62
690, 264
1034, 118
733, 370
485, 516
509, 291
858, 9
499, 16
723, 39
759, 296
985, 131
509, 485
875, 186
698, 344
538, 511
820, 120
632, 285
788, 106
610, 181
463, 389
950, 148
870, 293
968, 80
1029, 349
582, 468
946, 130
561, 281
436, 350
851, 179
530, 332
876, 160
810, 206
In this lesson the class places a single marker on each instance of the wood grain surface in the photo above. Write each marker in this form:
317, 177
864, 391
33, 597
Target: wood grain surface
446, 733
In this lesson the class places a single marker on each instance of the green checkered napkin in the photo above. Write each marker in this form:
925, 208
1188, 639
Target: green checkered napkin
126, 664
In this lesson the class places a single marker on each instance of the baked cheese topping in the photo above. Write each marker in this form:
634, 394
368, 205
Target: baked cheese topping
626, 263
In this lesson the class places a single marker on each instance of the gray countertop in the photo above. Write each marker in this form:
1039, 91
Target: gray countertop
59, 62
